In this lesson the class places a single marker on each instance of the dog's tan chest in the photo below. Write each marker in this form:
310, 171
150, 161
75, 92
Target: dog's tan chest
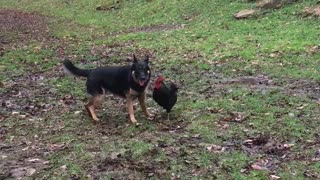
133, 93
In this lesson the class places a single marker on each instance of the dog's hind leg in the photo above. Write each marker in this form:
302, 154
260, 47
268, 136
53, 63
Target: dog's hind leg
94, 102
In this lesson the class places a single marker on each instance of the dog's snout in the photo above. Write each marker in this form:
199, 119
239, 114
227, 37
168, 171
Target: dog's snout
142, 76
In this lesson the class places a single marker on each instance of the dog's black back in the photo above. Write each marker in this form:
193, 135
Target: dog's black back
116, 79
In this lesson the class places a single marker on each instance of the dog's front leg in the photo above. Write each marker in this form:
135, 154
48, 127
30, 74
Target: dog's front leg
130, 109
142, 101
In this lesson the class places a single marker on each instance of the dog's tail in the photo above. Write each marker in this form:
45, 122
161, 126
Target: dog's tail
69, 67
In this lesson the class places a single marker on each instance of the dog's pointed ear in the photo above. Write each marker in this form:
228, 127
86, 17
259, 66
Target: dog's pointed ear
146, 59
135, 60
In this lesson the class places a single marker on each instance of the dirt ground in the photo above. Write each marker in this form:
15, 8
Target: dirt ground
31, 109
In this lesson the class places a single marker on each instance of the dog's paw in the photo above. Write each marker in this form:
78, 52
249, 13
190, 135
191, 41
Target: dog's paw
133, 120
95, 120
138, 124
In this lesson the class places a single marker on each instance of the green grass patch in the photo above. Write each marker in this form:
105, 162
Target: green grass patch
138, 147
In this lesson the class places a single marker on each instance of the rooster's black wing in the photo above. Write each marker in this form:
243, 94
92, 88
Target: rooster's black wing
173, 96
162, 95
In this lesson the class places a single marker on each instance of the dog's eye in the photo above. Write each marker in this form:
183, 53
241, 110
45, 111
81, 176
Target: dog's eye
133, 72
148, 72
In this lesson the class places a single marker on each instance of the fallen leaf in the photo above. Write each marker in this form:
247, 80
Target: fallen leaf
245, 14
30, 171
291, 114
235, 117
302, 107
248, 141
288, 145
115, 155
196, 136
274, 177
225, 126
34, 160
22, 116
257, 167
272, 55
215, 148
243, 170
63, 167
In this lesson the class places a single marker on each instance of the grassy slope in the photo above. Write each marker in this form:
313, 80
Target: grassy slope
222, 45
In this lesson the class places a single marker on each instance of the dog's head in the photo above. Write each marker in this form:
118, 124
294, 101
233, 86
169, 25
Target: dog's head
141, 71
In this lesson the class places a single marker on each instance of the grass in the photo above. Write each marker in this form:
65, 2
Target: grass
209, 54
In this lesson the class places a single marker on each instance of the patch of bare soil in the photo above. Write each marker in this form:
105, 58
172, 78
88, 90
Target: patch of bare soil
303, 88
31, 95
110, 54
26, 156
273, 152
22, 24
265, 145
176, 125
123, 166
24, 164
28, 101
306, 88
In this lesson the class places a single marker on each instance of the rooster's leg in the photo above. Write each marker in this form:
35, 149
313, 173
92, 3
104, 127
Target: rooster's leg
168, 117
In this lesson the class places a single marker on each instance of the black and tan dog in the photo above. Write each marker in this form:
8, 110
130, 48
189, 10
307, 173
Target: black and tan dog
125, 81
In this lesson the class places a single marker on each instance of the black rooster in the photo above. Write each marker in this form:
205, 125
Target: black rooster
165, 94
